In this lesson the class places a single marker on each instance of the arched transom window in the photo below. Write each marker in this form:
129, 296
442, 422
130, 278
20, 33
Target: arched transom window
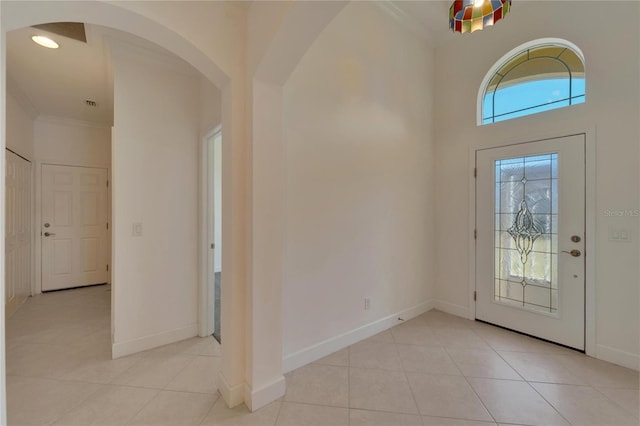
538, 76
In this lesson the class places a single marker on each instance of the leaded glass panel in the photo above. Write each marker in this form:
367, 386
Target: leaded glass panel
534, 80
526, 244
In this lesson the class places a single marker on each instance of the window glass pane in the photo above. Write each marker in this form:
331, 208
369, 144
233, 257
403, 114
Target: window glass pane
531, 95
536, 80
517, 60
526, 246
547, 51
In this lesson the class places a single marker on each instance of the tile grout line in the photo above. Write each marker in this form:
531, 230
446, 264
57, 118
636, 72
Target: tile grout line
406, 377
471, 386
548, 402
636, 414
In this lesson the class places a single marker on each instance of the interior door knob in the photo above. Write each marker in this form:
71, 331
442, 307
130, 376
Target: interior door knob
574, 252
48, 234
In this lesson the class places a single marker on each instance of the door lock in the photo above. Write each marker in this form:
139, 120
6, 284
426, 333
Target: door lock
575, 238
46, 225
574, 252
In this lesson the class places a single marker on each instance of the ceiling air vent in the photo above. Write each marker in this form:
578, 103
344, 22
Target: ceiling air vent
90, 103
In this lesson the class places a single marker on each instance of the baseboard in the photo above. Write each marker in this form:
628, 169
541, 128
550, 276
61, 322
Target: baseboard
232, 395
616, 356
12, 307
451, 308
129, 347
333, 344
266, 394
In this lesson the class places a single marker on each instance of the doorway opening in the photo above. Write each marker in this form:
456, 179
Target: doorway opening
214, 227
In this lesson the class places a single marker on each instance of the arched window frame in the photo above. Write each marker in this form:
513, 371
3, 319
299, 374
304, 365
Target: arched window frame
512, 53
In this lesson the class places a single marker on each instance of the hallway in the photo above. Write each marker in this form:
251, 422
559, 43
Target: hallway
436, 369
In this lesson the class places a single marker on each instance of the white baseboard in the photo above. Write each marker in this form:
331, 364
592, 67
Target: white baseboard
453, 309
616, 356
333, 344
12, 307
266, 394
129, 347
232, 395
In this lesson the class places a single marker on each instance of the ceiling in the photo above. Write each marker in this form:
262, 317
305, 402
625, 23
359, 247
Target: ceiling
58, 82
429, 19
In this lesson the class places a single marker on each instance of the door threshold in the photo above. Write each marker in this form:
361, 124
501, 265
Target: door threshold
532, 336
73, 288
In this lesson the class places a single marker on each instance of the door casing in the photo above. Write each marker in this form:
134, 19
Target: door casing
590, 220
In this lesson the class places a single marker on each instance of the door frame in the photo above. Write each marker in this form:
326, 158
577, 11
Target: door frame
207, 272
590, 221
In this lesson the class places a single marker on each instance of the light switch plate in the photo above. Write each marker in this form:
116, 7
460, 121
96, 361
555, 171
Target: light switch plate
136, 229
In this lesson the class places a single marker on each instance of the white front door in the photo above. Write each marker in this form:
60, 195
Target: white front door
530, 223
74, 227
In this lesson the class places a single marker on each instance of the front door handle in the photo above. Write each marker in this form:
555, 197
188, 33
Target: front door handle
48, 234
574, 252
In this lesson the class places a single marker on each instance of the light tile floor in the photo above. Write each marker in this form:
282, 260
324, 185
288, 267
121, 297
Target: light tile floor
436, 369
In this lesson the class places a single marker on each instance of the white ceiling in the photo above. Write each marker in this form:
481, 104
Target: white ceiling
57, 82
429, 19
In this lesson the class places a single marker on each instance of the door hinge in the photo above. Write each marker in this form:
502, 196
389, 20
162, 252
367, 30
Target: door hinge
475, 172
107, 225
475, 296
107, 267
213, 246
107, 184
475, 234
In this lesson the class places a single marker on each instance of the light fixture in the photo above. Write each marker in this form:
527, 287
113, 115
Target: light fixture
467, 16
45, 42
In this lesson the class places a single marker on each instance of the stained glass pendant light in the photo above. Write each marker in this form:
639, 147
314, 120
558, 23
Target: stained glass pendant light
467, 16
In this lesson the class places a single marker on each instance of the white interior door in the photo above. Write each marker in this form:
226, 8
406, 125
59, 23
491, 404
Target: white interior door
74, 227
17, 231
530, 223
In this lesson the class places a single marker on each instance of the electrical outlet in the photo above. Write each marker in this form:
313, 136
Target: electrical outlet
367, 303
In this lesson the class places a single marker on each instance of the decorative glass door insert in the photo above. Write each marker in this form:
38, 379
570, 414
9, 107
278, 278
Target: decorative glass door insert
530, 238
526, 239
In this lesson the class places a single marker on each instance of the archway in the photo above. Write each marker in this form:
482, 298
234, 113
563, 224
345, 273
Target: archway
16, 15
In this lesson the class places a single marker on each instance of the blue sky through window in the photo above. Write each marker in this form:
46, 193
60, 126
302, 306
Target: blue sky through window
532, 97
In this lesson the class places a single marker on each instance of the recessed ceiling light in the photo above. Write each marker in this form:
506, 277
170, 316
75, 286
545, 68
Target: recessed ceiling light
45, 42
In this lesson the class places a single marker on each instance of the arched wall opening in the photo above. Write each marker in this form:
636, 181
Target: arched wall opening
15, 15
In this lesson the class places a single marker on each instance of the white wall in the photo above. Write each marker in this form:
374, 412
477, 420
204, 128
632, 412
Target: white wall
71, 142
359, 180
155, 183
19, 130
210, 107
611, 107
